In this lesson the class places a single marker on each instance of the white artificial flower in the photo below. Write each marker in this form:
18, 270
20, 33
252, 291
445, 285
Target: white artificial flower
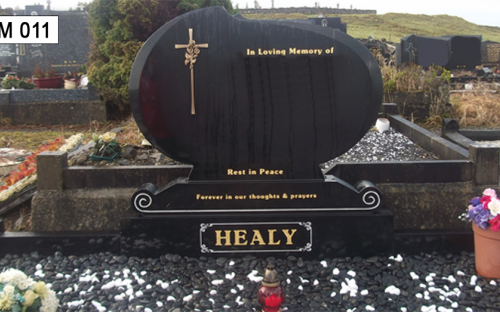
49, 302
71, 142
9, 289
17, 278
494, 206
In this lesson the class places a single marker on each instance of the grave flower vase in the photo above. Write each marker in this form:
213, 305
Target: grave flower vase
69, 84
49, 82
487, 251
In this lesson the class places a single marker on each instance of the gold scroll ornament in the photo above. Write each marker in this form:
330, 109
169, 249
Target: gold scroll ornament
192, 52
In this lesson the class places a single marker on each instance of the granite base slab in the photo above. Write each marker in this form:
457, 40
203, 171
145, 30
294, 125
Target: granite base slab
301, 234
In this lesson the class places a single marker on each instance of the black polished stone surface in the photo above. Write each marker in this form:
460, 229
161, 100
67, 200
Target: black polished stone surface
451, 52
182, 196
267, 95
48, 243
311, 234
414, 242
8, 55
255, 107
71, 52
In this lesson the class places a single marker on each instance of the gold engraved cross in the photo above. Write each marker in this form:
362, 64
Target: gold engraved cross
192, 51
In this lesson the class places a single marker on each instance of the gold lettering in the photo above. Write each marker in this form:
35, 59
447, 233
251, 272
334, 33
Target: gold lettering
257, 237
235, 172
238, 236
292, 50
226, 238
271, 237
270, 172
289, 235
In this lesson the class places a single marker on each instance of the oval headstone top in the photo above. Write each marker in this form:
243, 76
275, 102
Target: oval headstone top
244, 99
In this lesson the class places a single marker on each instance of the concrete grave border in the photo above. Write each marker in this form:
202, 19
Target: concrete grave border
83, 200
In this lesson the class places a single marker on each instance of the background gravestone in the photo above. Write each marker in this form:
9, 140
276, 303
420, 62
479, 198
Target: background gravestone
465, 52
433, 51
71, 52
490, 53
8, 55
451, 52
332, 22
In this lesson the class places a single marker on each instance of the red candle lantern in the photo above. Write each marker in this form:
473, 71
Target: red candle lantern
271, 295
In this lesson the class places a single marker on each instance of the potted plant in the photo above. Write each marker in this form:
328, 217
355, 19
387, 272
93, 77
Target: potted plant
13, 82
10, 82
484, 213
46, 78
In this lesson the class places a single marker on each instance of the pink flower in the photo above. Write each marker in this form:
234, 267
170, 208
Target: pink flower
485, 200
490, 192
470, 207
495, 223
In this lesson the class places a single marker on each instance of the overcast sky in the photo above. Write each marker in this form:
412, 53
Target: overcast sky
481, 12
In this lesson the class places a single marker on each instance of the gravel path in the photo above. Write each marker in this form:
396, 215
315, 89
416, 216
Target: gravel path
108, 282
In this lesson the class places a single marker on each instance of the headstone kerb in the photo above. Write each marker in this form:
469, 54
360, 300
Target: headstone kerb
50, 167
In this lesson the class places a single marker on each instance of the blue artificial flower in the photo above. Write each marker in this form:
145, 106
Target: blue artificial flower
482, 218
475, 210
475, 201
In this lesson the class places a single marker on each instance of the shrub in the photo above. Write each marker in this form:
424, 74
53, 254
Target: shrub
414, 78
120, 27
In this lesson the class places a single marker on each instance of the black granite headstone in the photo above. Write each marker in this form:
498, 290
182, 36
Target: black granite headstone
8, 55
433, 51
451, 52
332, 22
274, 96
409, 49
465, 52
255, 107
71, 52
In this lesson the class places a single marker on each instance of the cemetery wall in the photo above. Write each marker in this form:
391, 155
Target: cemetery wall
307, 11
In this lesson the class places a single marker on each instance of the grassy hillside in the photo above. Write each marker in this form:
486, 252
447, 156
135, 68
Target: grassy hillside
394, 26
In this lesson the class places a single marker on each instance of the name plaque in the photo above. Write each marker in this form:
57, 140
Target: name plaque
256, 237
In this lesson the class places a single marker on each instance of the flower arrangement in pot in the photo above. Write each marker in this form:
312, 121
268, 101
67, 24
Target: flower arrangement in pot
106, 147
71, 80
10, 82
46, 78
484, 213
